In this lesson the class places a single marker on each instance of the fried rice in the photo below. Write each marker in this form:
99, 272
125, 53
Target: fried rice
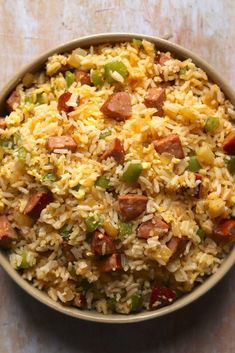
117, 230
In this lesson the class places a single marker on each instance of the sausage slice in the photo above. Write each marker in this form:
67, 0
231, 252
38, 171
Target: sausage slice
83, 77
37, 201
117, 106
177, 245
225, 231
61, 142
154, 227
3, 124
114, 149
110, 263
155, 98
161, 58
79, 300
66, 249
102, 244
161, 294
13, 101
131, 206
62, 103
7, 233
229, 143
170, 144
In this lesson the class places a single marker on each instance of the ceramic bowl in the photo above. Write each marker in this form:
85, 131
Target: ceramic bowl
181, 53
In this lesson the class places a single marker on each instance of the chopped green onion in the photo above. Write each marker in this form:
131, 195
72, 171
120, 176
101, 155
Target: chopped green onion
231, 165
24, 263
117, 66
211, 124
9, 143
201, 233
65, 231
93, 222
111, 302
125, 229
85, 284
182, 72
136, 302
39, 99
22, 153
102, 182
69, 78
97, 78
179, 293
50, 177
193, 164
137, 42
104, 133
132, 173
28, 99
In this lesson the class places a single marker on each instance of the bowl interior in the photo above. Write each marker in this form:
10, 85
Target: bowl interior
181, 53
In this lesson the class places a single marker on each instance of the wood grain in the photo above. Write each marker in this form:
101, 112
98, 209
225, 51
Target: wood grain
28, 28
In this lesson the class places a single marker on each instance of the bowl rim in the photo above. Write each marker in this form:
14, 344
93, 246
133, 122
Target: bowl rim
211, 281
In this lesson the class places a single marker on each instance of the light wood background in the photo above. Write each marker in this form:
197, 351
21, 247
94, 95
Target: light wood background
29, 27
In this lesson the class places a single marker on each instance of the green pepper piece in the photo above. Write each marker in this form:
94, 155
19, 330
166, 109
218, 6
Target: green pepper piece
125, 229
24, 263
69, 78
231, 165
201, 233
65, 231
39, 99
137, 42
117, 66
193, 164
97, 78
132, 173
50, 177
104, 133
22, 154
93, 222
212, 123
102, 182
182, 72
136, 302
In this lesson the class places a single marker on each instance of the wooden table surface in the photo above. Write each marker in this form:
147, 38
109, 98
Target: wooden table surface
28, 28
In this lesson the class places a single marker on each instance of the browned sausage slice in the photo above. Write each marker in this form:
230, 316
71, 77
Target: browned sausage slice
79, 300
66, 249
170, 144
177, 245
13, 101
161, 58
83, 77
110, 263
117, 106
154, 227
225, 231
229, 143
37, 201
155, 98
115, 150
3, 124
7, 233
62, 103
61, 142
131, 206
102, 244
